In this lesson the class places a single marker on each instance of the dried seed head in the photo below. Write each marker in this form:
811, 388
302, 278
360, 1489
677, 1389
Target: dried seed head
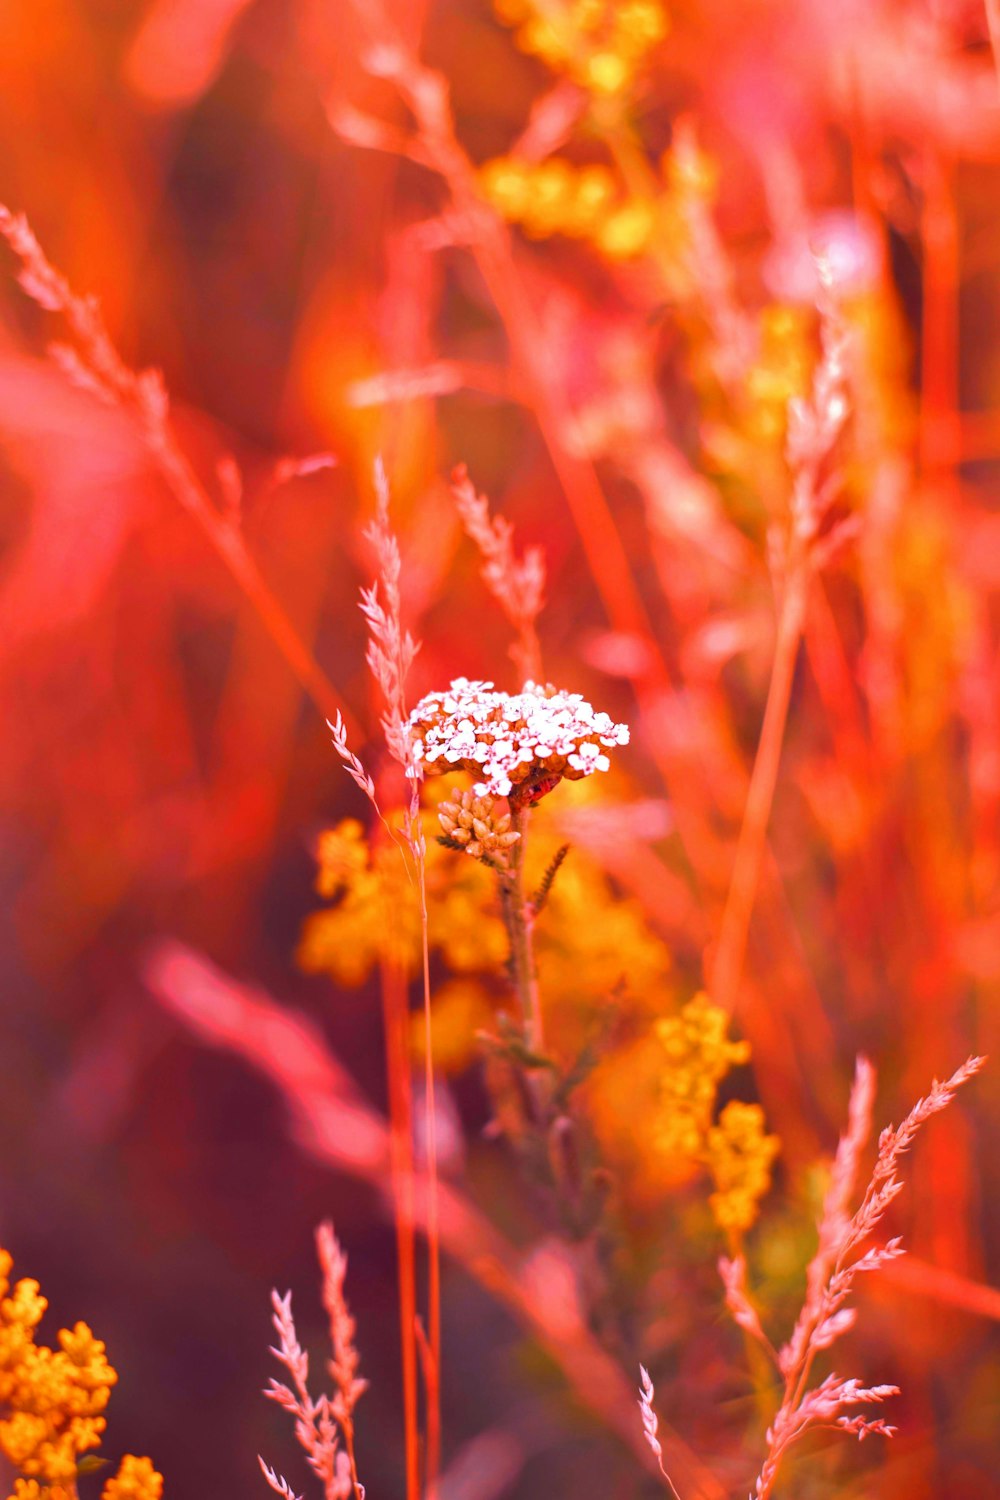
472, 821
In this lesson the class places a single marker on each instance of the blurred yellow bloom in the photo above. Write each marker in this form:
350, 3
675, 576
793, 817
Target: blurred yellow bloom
740, 1154
459, 1009
627, 232
783, 369
735, 1149
597, 43
342, 855
698, 1055
376, 912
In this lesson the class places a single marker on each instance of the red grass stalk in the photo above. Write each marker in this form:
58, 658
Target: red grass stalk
395, 1016
95, 365
390, 655
813, 428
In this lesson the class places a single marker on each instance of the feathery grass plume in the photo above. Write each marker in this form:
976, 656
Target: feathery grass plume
517, 584
390, 654
320, 1422
96, 366
390, 649
814, 426
650, 1424
355, 770
343, 1366
838, 1260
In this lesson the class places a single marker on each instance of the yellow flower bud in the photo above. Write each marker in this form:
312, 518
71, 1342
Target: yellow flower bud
627, 232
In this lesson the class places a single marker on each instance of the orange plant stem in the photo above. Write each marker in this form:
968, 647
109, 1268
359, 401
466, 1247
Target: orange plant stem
394, 1012
432, 1366
731, 950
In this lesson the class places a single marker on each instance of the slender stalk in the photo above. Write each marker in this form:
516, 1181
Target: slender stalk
750, 850
394, 1012
432, 1371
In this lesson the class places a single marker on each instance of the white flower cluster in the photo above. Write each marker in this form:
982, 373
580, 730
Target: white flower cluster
509, 739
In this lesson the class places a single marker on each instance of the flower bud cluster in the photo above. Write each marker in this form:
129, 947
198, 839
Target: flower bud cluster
600, 44
472, 821
557, 197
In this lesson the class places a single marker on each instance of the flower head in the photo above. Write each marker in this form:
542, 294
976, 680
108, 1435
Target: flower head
519, 744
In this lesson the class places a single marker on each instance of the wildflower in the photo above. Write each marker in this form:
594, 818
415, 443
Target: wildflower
735, 1149
51, 1402
136, 1480
740, 1156
520, 745
598, 43
699, 1054
470, 820
376, 913
627, 232
461, 1009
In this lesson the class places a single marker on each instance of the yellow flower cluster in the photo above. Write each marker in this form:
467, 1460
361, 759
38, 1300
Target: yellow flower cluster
782, 370
740, 1154
347, 939
556, 197
52, 1402
600, 44
736, 1151
376, 914
699, 1054
136, 1480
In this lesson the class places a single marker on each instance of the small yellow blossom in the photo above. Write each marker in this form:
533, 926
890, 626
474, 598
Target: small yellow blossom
740, 1154
342, 855
51, 1400
459, 1010
599, 44
30, 1489
607, 72
376, 914
698, 1055
627, 232
782, 370
551, 197
136, 1480
594, 192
